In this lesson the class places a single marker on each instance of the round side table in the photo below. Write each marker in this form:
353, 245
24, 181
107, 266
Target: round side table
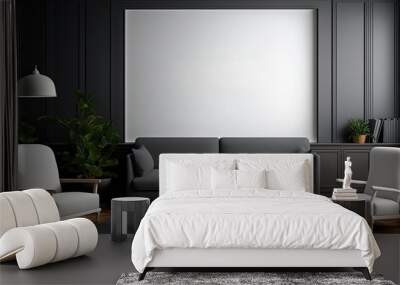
136, 206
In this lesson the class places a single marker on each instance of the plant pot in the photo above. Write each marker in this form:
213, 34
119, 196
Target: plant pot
360, 139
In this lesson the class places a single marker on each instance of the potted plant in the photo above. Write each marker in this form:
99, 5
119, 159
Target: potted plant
91, 139
359, 130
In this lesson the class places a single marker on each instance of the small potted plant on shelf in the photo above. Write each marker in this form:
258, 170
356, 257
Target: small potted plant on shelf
359, 130
91, 142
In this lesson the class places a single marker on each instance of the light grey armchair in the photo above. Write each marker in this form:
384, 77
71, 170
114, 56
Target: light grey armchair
37, 168
382, 189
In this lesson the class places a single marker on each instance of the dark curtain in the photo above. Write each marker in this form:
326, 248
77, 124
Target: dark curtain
8, 96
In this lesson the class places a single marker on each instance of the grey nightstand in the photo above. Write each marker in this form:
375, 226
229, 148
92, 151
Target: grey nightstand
358, 205
136, 206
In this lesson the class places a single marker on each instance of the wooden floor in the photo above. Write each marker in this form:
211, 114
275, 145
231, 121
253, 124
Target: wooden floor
104, 217
387, 227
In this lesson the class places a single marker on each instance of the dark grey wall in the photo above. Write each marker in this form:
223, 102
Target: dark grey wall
69, 40
348, 63
365, 61
79, 44
383, 53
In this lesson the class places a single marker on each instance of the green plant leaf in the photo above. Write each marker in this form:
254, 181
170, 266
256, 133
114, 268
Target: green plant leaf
357, 127
92, 139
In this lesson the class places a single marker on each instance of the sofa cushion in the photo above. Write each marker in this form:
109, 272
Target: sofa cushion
76, 203
156, 146
143, 161
264, 145
148, 182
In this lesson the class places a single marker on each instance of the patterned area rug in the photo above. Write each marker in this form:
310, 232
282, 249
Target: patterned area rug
243, 278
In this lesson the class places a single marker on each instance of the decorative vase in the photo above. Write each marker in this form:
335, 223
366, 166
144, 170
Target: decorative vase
360, 139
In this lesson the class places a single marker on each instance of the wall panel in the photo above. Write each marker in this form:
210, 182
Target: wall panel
31, 43
97, 53
383, 54
348, 63
365, 62
63, 65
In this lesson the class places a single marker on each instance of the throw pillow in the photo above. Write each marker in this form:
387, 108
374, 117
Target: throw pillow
144, 162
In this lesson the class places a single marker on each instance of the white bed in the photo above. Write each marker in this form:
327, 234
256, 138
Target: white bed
198, 222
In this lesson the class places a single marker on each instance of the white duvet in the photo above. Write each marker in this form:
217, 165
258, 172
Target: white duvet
250, 219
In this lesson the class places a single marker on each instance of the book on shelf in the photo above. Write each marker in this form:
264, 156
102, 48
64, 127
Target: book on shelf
385, 130
375, 128
391, 130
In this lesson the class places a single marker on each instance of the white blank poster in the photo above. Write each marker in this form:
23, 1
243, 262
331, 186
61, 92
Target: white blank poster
220, 73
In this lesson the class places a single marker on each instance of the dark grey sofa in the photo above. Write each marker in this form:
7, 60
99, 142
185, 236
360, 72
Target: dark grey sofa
147, 186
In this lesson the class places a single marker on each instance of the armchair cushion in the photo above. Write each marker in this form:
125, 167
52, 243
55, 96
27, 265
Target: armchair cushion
148, 182
385, 207
76, 203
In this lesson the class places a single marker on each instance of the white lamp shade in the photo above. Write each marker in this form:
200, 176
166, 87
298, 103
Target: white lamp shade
36, 85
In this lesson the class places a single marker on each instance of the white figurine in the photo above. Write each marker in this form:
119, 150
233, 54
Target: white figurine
347, 174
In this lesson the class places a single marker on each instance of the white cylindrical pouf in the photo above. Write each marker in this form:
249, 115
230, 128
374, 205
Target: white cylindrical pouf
23, 208
67, 240
87, 234
7, 218
33, 246
41, 244
45, 205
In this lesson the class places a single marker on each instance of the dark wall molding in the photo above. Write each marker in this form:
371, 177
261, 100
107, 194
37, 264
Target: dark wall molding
364, 82
397, 57
348, 63
368, 113
80, 45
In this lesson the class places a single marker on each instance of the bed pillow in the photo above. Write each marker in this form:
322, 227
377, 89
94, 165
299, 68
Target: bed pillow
223, 179
251, 178
293, 174
143, 162
236, 179
293, 178
188, 175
